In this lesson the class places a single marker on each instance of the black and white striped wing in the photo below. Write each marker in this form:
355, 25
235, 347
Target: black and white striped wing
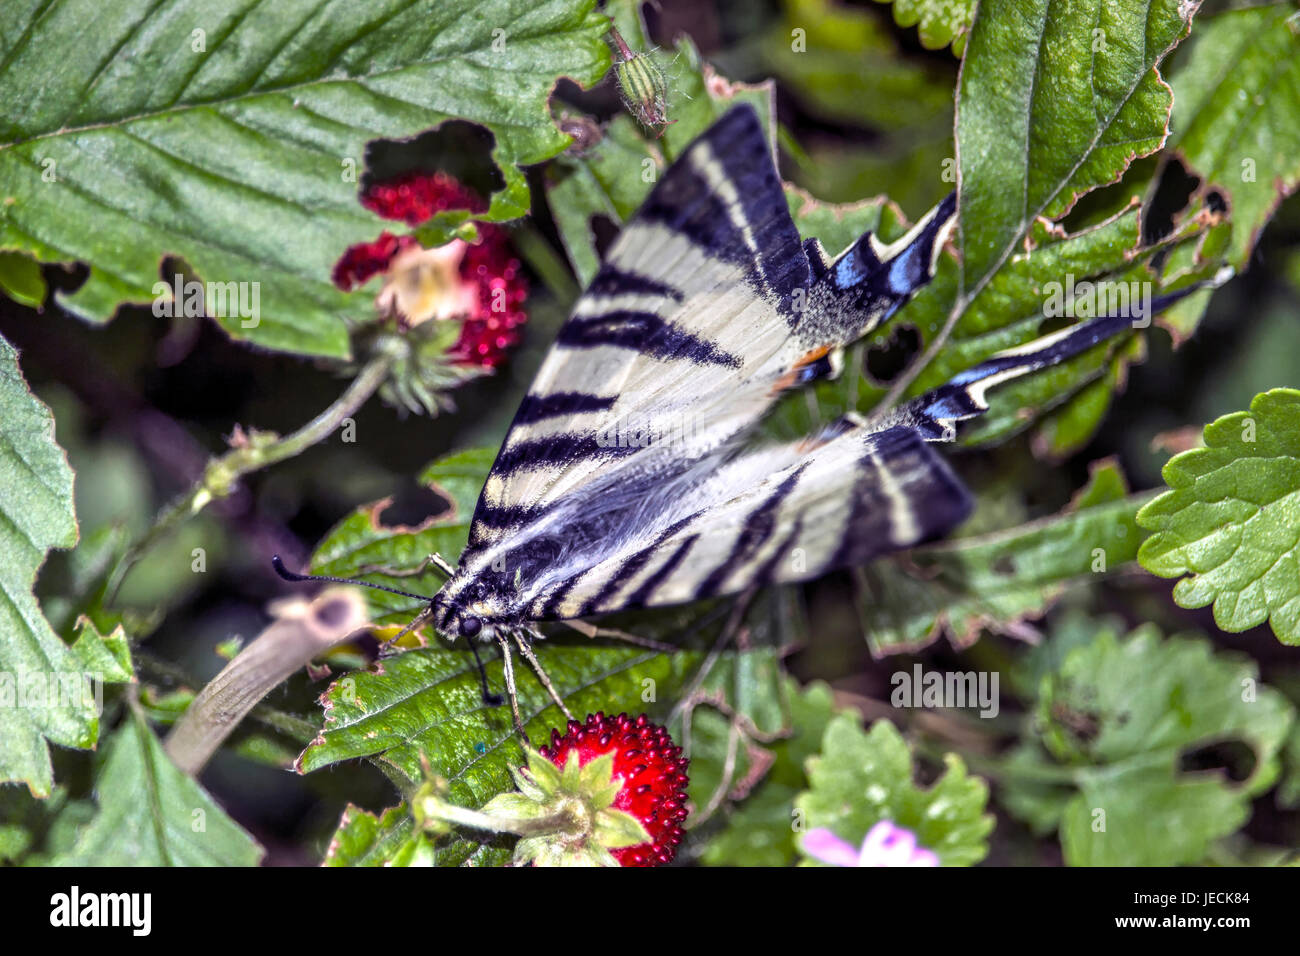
707, 306
791, 512
781, 514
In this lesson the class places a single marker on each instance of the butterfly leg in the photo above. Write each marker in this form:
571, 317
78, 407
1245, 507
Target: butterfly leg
526, 649
509, 667
591, 630
386, 649
442, 564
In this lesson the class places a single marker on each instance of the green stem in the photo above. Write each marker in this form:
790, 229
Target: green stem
561, 820
222, 474
543, 259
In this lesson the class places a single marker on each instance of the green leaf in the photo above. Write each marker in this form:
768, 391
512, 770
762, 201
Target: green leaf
107, 657
1236, 99
364, 839
21, 279
232, 136
36, 514
938, 22
863, 777
1231, 519
1053, 102
997, 580
1121, 716
397, 555
152, 814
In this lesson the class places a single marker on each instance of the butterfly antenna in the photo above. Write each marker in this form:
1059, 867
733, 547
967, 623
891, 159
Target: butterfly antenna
288, 575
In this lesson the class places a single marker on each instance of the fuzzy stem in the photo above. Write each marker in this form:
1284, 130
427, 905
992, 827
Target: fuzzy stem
561, 820
617, 44
222, 474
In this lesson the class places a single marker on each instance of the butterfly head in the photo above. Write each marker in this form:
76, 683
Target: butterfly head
457, 617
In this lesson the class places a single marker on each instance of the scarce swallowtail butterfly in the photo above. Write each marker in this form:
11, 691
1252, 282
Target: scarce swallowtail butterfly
624, 482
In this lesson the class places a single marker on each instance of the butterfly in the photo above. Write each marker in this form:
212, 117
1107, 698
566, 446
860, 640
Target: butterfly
628, 478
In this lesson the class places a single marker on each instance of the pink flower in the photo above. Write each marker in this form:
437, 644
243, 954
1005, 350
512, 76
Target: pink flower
885, 845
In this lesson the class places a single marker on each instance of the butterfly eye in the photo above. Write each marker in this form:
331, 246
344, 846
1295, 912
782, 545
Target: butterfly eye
470, 625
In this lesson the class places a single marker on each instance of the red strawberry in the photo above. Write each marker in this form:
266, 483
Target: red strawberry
653, 772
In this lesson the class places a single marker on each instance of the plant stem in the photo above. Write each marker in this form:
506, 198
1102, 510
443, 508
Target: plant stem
222, 474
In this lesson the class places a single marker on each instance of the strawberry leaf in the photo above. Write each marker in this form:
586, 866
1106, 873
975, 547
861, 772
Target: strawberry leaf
1231, 519
863, 777
36, 514
233, 137
1120, 719
1236, 97
1050, 106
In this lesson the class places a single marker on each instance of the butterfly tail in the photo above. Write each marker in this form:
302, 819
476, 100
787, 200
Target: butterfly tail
936, 413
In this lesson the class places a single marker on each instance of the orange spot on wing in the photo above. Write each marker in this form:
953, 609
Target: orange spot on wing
791, 377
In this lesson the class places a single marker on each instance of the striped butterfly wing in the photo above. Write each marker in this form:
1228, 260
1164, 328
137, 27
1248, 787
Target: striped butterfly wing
707, 306
780, 514
792, 512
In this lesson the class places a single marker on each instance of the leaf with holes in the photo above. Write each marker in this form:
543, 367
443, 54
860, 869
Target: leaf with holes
1231, 519
1236, 97
863, 777
36, 668
1126, 723
232, 137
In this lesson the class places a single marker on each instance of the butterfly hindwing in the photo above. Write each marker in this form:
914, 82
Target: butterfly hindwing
780, 514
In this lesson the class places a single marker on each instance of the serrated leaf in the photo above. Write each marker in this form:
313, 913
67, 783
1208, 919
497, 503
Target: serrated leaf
998, 579
1122, 715
36, 514
364, 839
151, 814
1053, 102
1236, 99
389, 554
863, 777
106, 656
1231, 519
233, 136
